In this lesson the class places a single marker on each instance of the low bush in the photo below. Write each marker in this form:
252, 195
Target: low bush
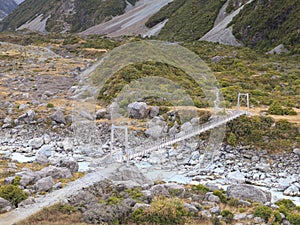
222, 197
200, 189
263, 212
294, 218
227, 216
162, 211
13, 194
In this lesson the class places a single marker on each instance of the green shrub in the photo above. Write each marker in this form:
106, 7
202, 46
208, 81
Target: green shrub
232, 139
13, 194
50, 105
294, 218
200, 189
162, 211
222, 197
263, 212
234, 202
287, 203
277, 217
227, 216
276, 109
16, 181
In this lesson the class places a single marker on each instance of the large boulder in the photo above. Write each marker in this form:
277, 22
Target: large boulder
36, 143
248, 192
5, 206
236, 177
124, 173
58, 117
69, 163
46, 150
44, 184
55, 172
138, 110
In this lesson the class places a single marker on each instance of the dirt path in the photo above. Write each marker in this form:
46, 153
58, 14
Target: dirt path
56, 196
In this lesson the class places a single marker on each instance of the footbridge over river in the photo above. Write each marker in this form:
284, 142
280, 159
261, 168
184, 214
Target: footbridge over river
142, 150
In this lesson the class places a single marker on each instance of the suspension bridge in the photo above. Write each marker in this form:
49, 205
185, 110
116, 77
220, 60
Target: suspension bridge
217, 121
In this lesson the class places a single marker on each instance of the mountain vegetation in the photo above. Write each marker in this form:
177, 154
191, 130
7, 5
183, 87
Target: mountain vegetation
73, 16
187, 19
266, 24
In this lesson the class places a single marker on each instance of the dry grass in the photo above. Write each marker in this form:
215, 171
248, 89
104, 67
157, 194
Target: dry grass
54, 215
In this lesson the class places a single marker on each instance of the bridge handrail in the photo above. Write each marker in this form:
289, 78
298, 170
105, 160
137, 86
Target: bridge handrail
185, 134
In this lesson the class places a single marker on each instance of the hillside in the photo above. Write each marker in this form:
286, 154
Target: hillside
62, 16
266, 24
187, 20
6, 7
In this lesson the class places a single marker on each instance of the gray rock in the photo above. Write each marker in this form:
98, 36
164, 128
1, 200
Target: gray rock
27, 177
215, 210
5, 206
211, 197
155, 131
44, 184
140, 206
58, 117
236, 177
67, 144
293, 190
55, 172
154, 111
30, 115
8, 120
241, 216
36, 143
278, 50
159, 190
191, 208
175, 189
132, 173
69, 163
138, 110
41, 159
187, 126
247, 192
102, 114
258, 220
8, 180
46, 150
296, 151
206, 214
28, 201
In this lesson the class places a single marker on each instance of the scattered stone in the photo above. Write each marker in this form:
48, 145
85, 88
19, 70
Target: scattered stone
44, 184
236, 177
5, 206
278, 50
102, 114
58, 117
138, 110
36, 143
247, 192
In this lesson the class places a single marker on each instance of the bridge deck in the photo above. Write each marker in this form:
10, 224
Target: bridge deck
185, 135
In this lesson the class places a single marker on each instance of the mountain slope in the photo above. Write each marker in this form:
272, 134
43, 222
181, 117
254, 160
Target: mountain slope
187, 19
68, 15
266, 24
6, 7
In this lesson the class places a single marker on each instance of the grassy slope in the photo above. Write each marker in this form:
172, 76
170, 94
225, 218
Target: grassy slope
266, 24
188, 20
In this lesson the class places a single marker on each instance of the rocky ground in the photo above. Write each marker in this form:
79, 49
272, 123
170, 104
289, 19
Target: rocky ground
36, 116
